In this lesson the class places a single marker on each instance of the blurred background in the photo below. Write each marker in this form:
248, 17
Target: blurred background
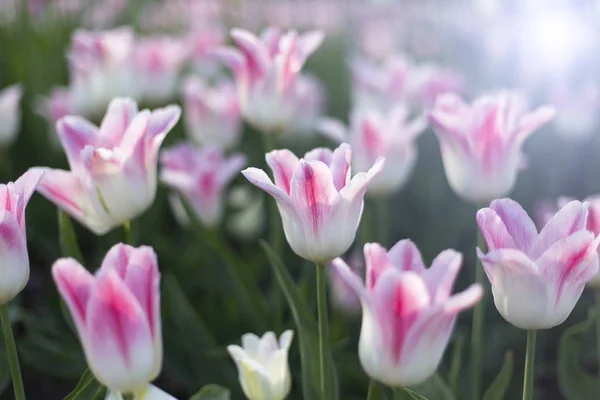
548, 52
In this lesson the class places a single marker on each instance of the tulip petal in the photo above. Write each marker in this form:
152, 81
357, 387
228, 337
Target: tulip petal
359, 182
24, 188
531, 121
322, 154
518, 224
333, 129
251, 345
259, 178
74, 284
441, 275
283, 163
230, 169
153, 393
376, 262
349, 277
569, 219
161, 123
75, 134
309, 42
254, 379
254, 51
119, 115
119, 345
405, 256
279, 374
14, 265
494, 230
340, 166
285, 340
464, 300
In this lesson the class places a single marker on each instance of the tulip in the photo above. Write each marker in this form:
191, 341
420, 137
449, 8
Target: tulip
10, 114
266, 70
200, 176
373, 134
13, 239
158, 61
113, 167
481, 143
537, 278
263, 365
117, 316
408, 311
319, 204
101, 68
211, 113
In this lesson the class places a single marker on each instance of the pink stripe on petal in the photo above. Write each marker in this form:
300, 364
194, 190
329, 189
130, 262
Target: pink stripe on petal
119, 115
24, 188
74, 284
283, 163
255, 52
75, 133
405, 256
65, 190
313, 193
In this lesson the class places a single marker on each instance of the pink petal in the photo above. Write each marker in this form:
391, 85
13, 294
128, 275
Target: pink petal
464, 300
254, 50
441, 275
119, 115
24, 188
120, 348
322, 154
162, 121
531, 121
518, 224
65, 190
259, 178
74, 284
283, 163
75, 133
309, 43
405, 256
117, 258
358, 184
340, 166
569, 219
14, 259
376, 262
333, 129
313, 193
494, 230
512, 261
231, 57
567, 261
349, 277
230, 168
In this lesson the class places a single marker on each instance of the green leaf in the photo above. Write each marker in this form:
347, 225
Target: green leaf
88, 388
497, 389
574, 381
68, 239
435, 388
212, 392
376, 391
456, 361
306, 327
407, 394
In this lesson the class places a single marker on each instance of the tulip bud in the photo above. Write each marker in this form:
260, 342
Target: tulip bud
10, 114
408, 311
263, 365
113, 167
117, 316
14, 260
319, 204
537, 278
481, 143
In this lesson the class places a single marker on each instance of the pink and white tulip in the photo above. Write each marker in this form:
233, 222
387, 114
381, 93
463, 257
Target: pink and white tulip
101, 68
266, 70
211, 113
481, 143
408, 310
373, 134
158, 61
200, 176
319, 203
262, 364
10, 114
113, 167
537, 278
14, 259
117, 316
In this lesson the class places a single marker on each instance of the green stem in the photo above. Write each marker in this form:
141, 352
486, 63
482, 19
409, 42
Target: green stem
326, 392
597, 316
375, 391
529, 365
11, 351
477, 327
128, 232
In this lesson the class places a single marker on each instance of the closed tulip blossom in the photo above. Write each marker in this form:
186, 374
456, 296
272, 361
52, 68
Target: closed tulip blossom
117, 316
266, 71
211, 113
14, 263
408, 310
10, 114
158, 61
262, 365
373, 134
537, 278
200, 176
113, 167
481, 143
320, 204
